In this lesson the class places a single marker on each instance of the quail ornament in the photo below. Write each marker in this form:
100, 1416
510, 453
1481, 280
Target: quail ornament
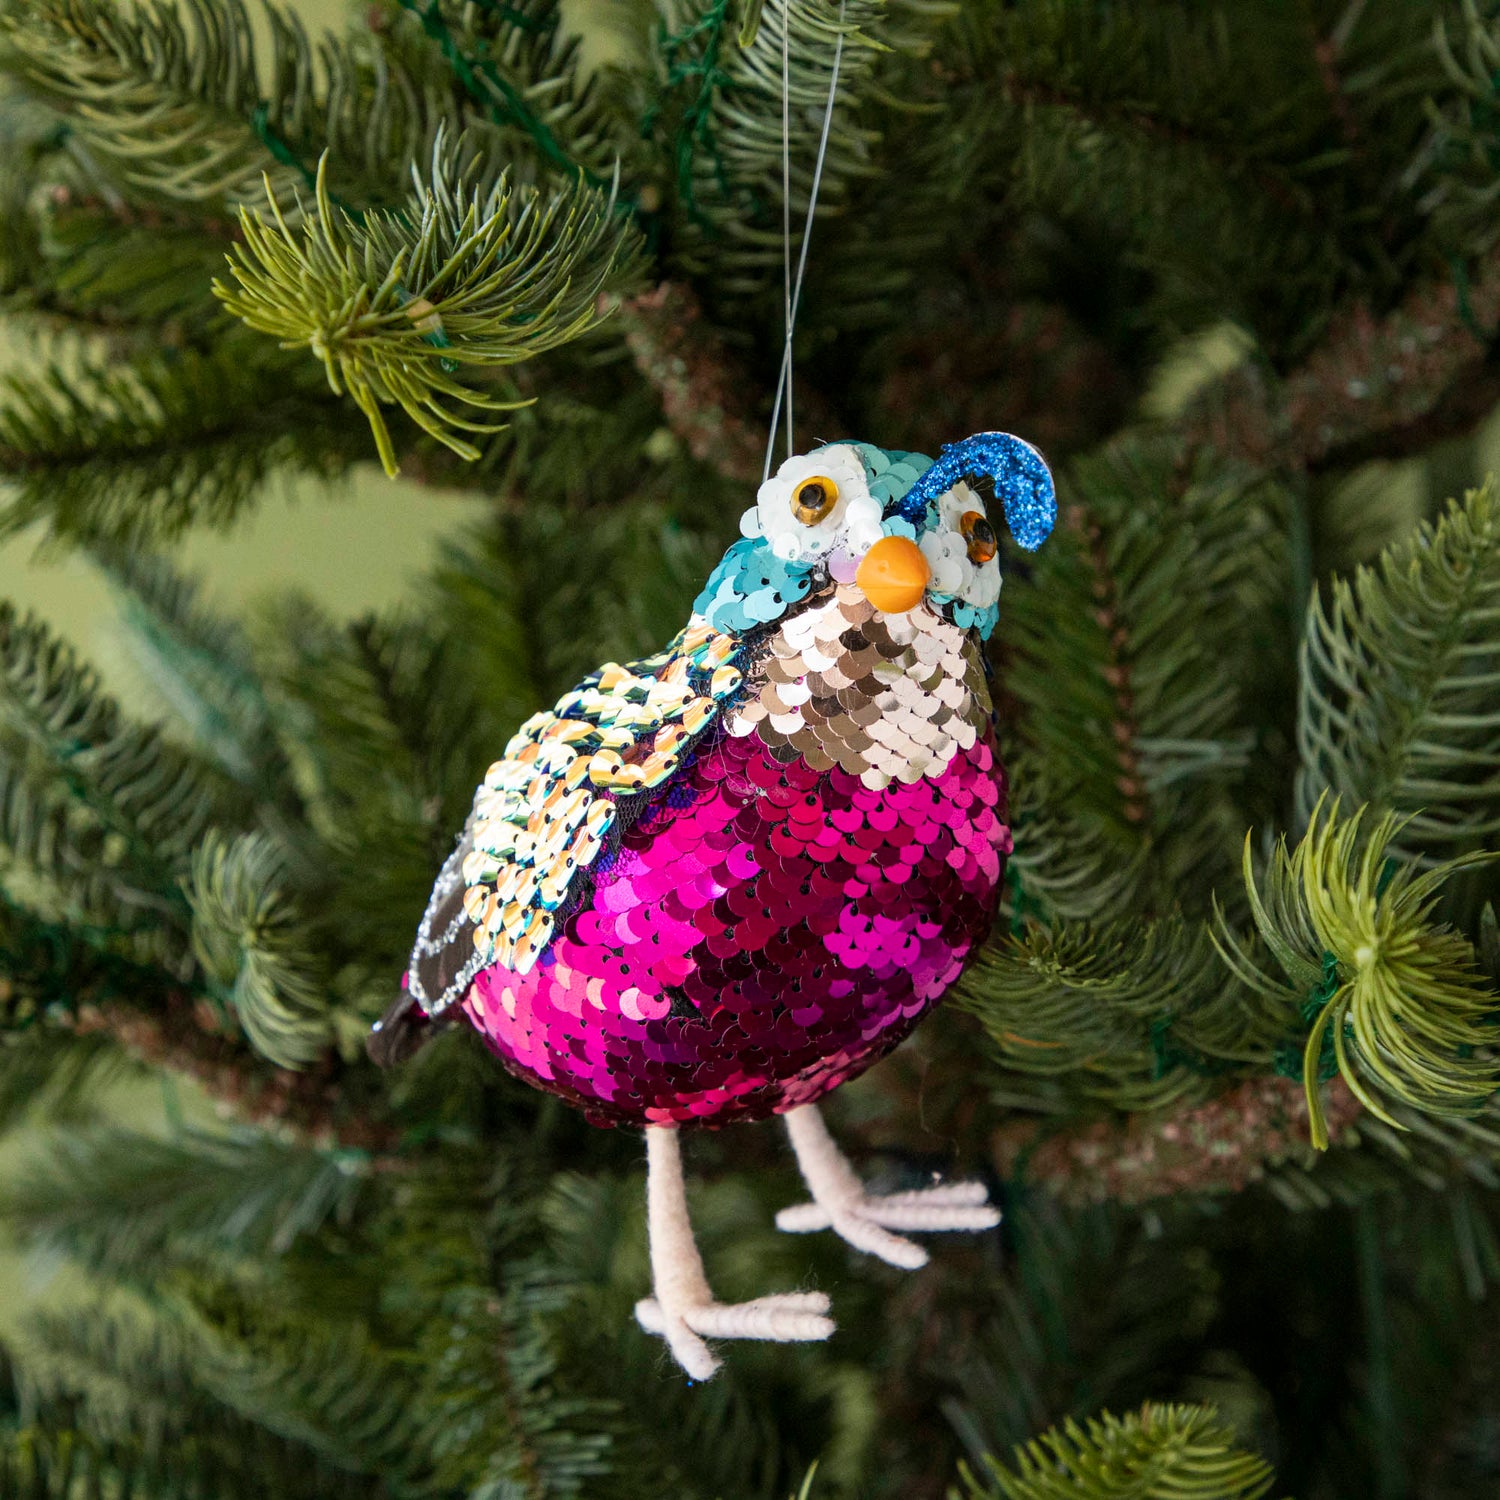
716, 883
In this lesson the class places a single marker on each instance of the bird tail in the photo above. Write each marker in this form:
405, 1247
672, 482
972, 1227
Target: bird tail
401, 1032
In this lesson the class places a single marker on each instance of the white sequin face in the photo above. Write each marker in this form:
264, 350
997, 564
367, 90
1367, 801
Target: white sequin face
961, 550
816, 504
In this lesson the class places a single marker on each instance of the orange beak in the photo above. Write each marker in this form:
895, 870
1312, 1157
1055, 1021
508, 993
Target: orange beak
893, 575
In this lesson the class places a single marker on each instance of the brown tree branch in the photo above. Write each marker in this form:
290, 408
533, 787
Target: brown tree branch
687, 364
183, 1036
1375, 386
1221, 1146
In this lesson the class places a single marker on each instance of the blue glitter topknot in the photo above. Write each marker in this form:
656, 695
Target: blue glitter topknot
1022, 482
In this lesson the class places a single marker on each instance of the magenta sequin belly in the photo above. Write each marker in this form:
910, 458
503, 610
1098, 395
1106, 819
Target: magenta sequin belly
762, 935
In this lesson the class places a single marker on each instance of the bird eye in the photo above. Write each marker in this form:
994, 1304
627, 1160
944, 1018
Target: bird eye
980, 536
813, 500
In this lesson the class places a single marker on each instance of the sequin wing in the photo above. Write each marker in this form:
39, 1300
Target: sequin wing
567, 784
444, 959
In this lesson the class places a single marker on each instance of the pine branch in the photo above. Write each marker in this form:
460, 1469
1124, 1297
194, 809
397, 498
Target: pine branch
1376, 385
1129, 668
1402, 999
473, 274
52, 972
1400, 701
1064, 862
518, 68
1135, 1014
257, 950
169, 99
199, 671
41, 1463
1208, 144
1455, 167
378, 719
386, 727
1165, 1450
104, 809
48, 1074
134, 274
124, 1204
492, 1369
181, 1365
717, 123
701, 390
505, 1412
135, 452
1241, 1136
580, 585
330, 1104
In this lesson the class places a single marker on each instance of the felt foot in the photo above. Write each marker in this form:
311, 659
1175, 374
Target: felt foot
840, 1203
866, 1220
787, 1318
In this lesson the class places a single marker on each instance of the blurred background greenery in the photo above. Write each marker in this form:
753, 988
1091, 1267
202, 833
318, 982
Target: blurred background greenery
355, 545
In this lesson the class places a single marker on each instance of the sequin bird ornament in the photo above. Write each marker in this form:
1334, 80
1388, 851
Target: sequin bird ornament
716, 883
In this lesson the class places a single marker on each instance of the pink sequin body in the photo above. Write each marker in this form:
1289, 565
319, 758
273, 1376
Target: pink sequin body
763, 934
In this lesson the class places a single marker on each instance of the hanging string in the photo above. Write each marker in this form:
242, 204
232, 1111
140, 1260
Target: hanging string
794, 289
786, 204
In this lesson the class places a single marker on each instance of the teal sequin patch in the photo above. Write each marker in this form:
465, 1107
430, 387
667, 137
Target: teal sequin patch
970, 616
750, 587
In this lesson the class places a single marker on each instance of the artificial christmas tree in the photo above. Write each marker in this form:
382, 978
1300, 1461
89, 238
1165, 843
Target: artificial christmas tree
1226, 1060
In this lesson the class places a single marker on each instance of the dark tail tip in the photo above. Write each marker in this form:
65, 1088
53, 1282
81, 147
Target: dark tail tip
400, 1033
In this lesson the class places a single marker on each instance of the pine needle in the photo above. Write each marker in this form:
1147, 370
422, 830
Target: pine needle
1159, 1453
1401, 998
395, 304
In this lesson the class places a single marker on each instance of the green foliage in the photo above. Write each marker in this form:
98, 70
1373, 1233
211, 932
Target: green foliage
38, 1463
197, 667
1137, 1014
181, 104
51, 1074
102, 813
1096, 1309
1069, 865
1456, 163
1129, 665
1401, 997
718, 120
1164, 1451
1400, 699
174, 1372
256, 949
126, 452
473, 274
139, 278
519, 67
1240, 153
122, 1202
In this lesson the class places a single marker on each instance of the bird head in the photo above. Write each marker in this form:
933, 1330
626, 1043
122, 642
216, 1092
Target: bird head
906, 531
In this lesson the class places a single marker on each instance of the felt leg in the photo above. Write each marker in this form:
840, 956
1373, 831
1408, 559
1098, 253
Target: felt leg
839, 1201
683, 1310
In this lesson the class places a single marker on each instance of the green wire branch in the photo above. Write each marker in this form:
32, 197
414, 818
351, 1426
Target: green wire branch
486, 85
501, 274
